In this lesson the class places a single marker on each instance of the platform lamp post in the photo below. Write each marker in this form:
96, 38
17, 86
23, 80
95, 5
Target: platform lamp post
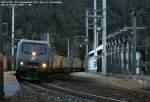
68, 52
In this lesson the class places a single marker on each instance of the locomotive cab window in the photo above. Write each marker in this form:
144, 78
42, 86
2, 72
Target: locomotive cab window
40, 49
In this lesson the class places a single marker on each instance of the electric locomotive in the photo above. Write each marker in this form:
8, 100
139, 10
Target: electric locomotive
33, 59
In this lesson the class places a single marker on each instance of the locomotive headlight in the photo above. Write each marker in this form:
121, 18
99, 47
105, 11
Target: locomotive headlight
44, 65
21, 63
33, 53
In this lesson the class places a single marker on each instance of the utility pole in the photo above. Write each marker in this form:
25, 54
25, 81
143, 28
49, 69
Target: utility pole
95, 28
1, 65
104, 31
134, 38
12, 38
87, 40
68, 48
75, 45
69, 57
95, 31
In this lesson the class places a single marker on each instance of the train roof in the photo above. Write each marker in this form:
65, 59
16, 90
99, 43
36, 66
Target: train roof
33, 41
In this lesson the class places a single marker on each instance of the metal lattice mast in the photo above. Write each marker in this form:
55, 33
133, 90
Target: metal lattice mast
134, 38
95, 31
104, 31
13, 33
87, 40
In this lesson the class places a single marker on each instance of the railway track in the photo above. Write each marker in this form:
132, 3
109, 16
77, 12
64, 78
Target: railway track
111, 87
129, 95
68, 95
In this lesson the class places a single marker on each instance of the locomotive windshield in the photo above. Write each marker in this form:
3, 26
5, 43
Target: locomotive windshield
30, 47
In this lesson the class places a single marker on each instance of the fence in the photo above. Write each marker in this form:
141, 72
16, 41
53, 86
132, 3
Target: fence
119, 54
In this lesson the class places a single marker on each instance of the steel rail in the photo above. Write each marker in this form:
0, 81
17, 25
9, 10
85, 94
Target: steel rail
55, 93
65, 93
111, 87
82, 94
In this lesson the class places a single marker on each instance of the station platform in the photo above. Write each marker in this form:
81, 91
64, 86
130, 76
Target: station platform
11, 85
98, 78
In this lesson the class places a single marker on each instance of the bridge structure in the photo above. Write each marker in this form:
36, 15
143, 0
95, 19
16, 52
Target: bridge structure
124, 56
120, 53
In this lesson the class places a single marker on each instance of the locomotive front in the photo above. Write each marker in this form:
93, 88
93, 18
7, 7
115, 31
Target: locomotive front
32, 59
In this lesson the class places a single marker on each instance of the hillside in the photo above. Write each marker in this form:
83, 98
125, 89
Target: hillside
68, 20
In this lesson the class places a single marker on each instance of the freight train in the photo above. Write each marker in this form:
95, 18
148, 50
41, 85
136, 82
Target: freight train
34, 61
63, 64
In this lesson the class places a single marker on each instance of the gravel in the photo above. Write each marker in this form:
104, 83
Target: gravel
29, 95
98, 90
